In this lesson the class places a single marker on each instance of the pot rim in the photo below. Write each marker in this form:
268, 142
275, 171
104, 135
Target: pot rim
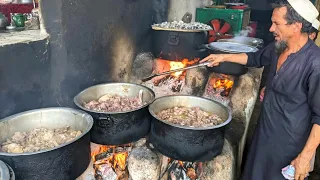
194, 128
251, 41
75, 111
180, 30
113, 112
209, 46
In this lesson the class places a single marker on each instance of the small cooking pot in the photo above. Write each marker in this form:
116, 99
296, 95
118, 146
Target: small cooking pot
116, 128
188, 143
229, 68
67, 161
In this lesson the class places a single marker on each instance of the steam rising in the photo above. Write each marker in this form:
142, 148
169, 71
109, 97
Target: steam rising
244, 33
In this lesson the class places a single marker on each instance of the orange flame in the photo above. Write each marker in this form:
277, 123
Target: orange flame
101, 149
223, 83
176, 65
116, 159
181, 64
120, 159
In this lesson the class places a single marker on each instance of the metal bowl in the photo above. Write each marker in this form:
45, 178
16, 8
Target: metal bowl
121, 89
229, 68
67, 161
205, 104
188, 143
255, 42
231, 47
115, 128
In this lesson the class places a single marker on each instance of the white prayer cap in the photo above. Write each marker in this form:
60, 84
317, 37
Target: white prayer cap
305, 8
316, 24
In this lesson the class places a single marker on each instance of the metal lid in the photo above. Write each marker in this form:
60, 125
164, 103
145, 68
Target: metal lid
232, 47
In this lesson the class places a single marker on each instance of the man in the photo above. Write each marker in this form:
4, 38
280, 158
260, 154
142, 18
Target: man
313, 34
288, 130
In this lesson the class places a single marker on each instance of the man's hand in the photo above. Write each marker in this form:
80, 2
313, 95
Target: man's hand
262, 93
214, 59
302, 167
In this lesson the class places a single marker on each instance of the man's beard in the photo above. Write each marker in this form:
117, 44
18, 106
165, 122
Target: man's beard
281, 46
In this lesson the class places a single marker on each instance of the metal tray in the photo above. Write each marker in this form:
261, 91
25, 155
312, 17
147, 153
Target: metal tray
232, 47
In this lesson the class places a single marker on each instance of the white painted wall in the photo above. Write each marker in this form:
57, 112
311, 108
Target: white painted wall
177, 8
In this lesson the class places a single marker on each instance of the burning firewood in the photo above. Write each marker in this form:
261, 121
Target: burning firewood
180, 170
191, 173
110, 162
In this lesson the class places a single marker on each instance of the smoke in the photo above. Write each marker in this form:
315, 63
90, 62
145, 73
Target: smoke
244, 33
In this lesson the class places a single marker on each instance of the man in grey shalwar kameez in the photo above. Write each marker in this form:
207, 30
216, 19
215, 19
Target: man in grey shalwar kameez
288, 131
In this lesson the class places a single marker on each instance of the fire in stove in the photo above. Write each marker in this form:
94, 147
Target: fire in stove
175, 81
110, 162
179, 170
219, 87
222, 84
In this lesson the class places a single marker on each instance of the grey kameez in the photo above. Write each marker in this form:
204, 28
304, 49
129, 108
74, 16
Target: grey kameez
291, 106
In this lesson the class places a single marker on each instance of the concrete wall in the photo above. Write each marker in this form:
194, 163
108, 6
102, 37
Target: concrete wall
177, 8
90, 42
24, 77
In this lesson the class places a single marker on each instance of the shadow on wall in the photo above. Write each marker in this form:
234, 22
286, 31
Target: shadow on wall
90, 42
96, 41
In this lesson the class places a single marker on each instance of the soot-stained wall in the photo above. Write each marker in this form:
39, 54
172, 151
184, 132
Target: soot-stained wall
90, 42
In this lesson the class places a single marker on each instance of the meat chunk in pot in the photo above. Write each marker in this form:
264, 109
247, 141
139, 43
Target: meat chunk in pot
115, 103
191, 117
38, 139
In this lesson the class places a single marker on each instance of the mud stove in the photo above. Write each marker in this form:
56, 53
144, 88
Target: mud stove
140, 160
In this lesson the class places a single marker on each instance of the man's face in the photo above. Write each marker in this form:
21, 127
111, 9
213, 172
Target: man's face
280, 28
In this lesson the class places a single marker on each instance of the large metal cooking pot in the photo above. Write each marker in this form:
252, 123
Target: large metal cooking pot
67, 161
115, 128
229, 68
179, 44
188, 143
255, 42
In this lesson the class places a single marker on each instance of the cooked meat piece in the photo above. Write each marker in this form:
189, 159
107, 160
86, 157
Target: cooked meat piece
13, 148
115, 103
38, 139
192, 117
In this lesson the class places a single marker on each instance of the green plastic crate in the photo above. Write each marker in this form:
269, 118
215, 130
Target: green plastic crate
238, 19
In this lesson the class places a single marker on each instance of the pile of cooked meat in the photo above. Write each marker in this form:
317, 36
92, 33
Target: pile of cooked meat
183, 26
115, 103
192, 117
38, 139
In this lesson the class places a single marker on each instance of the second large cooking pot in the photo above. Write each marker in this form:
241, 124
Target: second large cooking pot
229, 68
116, 128
64, 162
188, 143
179, 44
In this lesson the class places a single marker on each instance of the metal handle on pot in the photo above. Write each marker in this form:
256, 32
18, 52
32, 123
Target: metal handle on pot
207, 46
203, 47
173, 38
105, 122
